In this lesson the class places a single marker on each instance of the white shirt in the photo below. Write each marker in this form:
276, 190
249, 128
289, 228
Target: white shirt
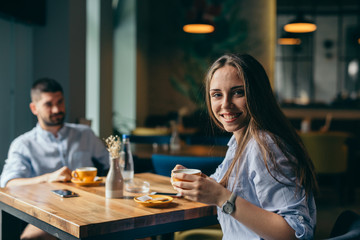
38, 152
257, 186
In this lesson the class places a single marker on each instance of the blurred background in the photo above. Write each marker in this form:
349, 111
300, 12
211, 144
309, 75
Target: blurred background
128, 64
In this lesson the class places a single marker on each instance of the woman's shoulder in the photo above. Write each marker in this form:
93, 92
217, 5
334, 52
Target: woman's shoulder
270, 140
262, 137
264, 143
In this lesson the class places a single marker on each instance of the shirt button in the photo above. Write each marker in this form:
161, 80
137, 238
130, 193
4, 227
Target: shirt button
301, 218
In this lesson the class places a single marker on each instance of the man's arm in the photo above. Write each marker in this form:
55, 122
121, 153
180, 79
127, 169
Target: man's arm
61, 175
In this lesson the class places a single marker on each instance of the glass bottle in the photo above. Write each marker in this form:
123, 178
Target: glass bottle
126, 160
114, 185
175, 139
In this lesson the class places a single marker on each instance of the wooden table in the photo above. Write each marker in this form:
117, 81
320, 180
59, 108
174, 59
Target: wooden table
314, 113
145, 151
92, 216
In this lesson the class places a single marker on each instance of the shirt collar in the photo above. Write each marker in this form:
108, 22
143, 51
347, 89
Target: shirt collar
48, 135
232, 142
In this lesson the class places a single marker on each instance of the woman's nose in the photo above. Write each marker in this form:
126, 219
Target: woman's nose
227, 102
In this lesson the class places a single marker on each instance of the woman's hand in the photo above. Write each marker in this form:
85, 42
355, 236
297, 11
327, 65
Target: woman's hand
200, 188
178, 166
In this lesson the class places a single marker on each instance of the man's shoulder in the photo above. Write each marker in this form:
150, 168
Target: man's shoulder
79, 128
25, 137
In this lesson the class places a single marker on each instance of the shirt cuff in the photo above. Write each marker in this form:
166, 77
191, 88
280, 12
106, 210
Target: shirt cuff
298, 224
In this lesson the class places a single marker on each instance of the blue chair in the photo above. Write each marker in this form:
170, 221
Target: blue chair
346, 227
163, 164
207, 140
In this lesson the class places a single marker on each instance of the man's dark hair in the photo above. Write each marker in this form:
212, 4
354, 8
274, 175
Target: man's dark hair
44, 85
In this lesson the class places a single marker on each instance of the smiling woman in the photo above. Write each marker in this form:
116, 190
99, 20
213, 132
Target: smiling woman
264, 186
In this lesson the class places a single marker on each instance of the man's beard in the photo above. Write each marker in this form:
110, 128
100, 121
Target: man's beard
55, 119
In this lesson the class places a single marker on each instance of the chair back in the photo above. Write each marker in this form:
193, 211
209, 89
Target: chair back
161, 139
327, 150
207, 140
346, 227
163, 164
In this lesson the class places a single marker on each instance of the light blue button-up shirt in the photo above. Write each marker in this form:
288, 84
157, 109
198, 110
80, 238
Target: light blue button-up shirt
257, 186
38, 152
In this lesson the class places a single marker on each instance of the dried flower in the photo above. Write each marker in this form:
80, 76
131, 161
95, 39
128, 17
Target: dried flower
113, 146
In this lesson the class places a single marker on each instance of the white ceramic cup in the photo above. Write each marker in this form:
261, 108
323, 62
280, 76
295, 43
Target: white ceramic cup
187, 171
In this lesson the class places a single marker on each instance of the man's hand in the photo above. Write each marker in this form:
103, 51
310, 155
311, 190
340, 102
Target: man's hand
61, 175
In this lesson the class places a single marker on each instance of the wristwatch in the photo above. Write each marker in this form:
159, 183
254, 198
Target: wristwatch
229, 206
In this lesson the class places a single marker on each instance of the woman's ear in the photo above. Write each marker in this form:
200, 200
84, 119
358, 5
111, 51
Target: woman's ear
33, 108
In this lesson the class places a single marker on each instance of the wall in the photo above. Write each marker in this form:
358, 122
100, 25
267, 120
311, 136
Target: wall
124, 90
260, 15
59, 52
16, 74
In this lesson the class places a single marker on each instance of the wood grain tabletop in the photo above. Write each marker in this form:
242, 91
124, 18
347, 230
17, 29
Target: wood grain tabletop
92, 214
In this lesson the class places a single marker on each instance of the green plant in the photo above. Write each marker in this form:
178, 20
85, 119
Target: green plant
199, 50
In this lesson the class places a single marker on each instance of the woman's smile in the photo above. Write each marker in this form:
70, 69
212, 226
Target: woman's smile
230, 117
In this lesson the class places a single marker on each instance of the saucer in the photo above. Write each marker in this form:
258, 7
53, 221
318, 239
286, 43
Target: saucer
154, 200
78, 182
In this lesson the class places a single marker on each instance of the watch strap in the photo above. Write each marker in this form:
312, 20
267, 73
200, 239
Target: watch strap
232, 198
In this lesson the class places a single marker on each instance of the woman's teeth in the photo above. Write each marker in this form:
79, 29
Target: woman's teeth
230, 116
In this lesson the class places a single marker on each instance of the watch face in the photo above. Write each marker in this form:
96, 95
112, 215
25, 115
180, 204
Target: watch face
228, 207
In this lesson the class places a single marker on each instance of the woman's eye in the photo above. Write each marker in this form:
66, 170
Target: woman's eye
239, 92
216, 95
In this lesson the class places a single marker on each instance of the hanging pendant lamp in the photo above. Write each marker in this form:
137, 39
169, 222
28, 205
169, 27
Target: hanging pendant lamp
199, 25
287, 38
198, 28
199, 19
300, 25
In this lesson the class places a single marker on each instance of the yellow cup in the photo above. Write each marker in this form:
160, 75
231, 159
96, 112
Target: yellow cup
85, 174
187, 171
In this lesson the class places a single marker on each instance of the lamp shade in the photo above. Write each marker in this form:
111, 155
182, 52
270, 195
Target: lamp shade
198, 28
300, 25
289, 39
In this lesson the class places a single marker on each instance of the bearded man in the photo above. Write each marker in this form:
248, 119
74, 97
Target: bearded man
53, 148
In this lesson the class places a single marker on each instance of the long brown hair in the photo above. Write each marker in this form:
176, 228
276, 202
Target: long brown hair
266, 116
